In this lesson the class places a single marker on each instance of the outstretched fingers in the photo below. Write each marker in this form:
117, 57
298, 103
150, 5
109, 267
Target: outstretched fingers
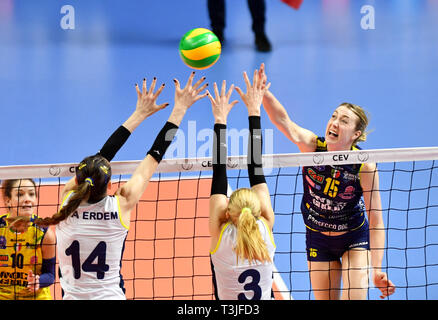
200, 96
164, 105
145, 91
202, 88
255, 80
216, 91
220, 103
230, 91
198, 83
210, 97
247, 82
197, 87
240, 92
144, 85
177, 84
224, 85
190, 81
190, 93
224, 95
146, 98
160, 89
152, 88
138, 91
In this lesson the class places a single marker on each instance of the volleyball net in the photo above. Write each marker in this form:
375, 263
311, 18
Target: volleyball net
167, 249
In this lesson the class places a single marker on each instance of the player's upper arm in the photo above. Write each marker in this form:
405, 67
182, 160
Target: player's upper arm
130, 193
369, 181
218, 209
49, 242
69, 186
267, 212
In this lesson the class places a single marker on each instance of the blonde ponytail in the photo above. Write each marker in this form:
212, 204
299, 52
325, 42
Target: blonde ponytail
249, 244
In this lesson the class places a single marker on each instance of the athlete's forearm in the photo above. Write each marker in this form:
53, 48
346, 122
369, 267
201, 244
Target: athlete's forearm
219, 184
303, 138
275, 110
254, 157
177, 114
121, 135
47, 276
134, 120
377, 240
115, 142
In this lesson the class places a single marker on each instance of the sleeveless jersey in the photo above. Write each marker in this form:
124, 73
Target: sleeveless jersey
238, 279
19, 253
90, 247
332, 196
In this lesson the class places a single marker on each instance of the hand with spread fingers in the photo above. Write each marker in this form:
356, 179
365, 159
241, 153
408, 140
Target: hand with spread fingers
254, 93
146, 99
220, 105
186, 97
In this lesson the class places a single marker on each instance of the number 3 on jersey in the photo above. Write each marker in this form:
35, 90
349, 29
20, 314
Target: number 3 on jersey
252, 286
88, 266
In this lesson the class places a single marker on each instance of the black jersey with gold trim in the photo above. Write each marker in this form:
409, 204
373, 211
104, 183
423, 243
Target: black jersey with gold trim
332, 195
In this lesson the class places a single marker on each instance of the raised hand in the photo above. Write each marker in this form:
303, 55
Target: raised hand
254, 93
220, 105
262, 75
186, 97
146, 99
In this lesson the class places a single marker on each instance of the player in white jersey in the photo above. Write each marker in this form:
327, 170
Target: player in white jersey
242, 246
91, 243
92, 226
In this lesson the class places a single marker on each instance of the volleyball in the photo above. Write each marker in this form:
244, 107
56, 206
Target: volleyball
199, 48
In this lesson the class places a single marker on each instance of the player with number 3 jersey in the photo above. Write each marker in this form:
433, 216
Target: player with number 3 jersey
242, 246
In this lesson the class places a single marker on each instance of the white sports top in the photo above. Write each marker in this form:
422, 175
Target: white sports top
238, 279
90, 246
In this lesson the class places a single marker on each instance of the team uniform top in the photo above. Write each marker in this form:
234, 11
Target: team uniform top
90, 248
332, 196
237, 278
19, 253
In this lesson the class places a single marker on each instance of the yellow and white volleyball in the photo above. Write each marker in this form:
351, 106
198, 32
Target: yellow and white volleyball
199, 48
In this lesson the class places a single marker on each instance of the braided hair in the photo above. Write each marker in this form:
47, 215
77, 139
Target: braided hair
92, 176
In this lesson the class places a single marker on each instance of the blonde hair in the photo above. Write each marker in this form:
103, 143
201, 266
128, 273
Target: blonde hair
244, 206
362, 122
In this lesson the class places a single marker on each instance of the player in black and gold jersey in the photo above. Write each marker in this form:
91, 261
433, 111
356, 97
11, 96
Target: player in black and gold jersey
341, 243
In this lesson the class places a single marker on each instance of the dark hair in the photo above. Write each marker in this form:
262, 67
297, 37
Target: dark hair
92, 176
8, 185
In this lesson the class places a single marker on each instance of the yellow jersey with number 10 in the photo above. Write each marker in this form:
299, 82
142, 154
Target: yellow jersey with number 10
20, 253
